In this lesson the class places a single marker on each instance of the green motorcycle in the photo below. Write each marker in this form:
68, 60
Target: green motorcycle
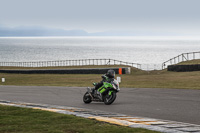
106, 93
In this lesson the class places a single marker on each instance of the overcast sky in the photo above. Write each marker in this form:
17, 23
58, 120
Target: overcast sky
161, 16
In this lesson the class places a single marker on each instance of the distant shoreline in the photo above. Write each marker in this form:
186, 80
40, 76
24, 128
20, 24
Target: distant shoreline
119, 37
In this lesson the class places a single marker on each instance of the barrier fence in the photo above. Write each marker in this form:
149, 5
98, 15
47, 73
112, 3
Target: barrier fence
82, 62
180, 58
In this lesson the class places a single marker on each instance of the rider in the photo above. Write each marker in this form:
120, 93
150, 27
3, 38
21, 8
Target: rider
108, 77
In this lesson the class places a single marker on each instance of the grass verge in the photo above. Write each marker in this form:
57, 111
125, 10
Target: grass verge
137, 79
24, 120
190, 62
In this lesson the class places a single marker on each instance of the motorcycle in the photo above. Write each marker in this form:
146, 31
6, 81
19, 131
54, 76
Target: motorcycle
106, 93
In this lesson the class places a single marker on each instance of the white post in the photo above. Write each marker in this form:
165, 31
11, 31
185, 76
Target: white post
3, 80
119, 79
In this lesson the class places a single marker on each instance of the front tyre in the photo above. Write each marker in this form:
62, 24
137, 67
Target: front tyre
87, 98
109, 99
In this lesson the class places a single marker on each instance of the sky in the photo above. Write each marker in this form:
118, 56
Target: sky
149, 17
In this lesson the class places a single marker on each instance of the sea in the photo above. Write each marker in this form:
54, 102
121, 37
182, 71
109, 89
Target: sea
143, 50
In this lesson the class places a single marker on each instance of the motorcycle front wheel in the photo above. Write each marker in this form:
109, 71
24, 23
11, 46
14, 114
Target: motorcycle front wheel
87, 98
109, 99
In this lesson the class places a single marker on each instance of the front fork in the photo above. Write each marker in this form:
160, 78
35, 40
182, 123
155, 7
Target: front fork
89, 92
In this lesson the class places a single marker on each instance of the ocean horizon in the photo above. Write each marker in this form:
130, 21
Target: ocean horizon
137, 49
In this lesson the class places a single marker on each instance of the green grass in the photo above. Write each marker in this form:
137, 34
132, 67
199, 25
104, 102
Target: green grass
163, 79
24, 120
137, 79
197, 61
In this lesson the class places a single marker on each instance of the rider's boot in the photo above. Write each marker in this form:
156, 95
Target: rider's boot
93, 90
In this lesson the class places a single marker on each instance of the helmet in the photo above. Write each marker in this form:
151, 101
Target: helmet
110, 74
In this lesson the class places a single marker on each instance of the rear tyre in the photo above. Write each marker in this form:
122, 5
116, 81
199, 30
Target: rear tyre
87, 98
109, 99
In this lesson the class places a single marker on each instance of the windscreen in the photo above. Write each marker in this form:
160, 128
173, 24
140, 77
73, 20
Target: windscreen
116, 83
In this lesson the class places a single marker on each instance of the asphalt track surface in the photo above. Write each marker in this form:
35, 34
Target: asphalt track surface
169, 104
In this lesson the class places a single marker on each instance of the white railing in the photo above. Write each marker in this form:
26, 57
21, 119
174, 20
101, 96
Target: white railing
180, 58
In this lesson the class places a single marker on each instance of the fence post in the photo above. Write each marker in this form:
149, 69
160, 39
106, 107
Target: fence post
193, 55
182, 58
178, 59
185, 57
174, 60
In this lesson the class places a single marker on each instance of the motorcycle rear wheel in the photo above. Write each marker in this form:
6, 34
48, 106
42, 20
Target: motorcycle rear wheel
109, 99
87, 98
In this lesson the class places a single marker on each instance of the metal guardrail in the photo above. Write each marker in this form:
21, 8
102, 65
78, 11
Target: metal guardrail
180, 58
82, 62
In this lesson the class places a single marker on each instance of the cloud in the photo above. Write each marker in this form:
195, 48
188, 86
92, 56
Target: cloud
104, 15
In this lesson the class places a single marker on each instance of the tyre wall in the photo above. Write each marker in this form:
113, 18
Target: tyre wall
69, 71
184, 68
